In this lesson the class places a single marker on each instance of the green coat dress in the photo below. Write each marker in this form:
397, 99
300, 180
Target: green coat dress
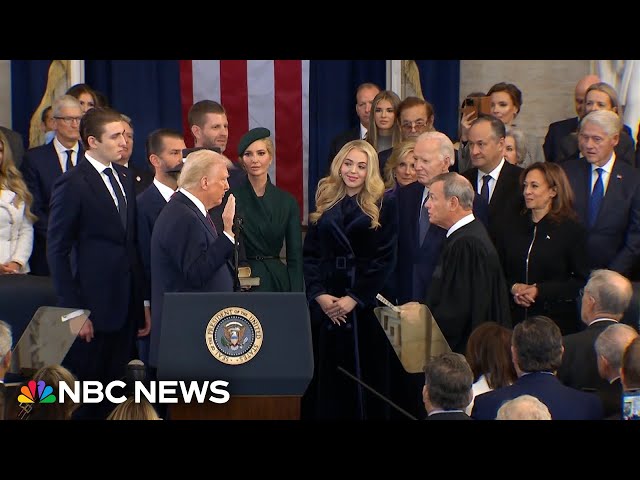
268, 222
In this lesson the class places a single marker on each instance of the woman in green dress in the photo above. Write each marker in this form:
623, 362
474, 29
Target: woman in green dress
271, 216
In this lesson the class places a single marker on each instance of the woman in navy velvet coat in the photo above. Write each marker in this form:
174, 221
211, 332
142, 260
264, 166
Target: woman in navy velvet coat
349, 252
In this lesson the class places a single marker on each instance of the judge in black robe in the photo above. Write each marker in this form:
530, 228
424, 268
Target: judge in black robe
468, 286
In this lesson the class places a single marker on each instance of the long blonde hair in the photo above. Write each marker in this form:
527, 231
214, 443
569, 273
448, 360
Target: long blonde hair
11, 179
331, 189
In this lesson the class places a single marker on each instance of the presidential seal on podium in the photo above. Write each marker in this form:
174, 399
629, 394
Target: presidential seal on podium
234, 335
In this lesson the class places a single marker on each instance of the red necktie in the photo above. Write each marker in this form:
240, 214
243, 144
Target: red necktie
211, 223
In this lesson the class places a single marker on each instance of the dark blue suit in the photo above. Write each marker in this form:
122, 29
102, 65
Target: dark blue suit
41, 168
614, 241
150, 203
416, 262
557, 131
94, 264
186, 256
564, 403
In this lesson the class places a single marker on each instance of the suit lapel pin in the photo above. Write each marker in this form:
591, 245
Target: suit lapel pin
619, 177
548, 237
138, 179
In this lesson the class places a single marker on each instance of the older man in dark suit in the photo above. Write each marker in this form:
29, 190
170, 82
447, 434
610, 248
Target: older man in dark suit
142, 176
559, 130
605, 299
44, 164
536, 348
92, 250
188, 254
365, 94
492, 177
607, 196
419, 242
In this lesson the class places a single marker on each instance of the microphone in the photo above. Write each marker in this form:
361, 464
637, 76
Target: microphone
237, 230
237, 222
136, 371
378, 394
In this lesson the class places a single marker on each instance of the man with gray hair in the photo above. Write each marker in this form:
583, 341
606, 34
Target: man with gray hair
44, 164
524, 407
419, 242
610, 346
604, 300
468, 286
607, 195
188, 254
447, 387
5, 349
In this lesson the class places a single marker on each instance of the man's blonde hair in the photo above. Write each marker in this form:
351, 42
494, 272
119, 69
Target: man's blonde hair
198, 165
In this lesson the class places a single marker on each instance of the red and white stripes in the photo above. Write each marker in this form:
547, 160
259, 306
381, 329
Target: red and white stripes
258, 93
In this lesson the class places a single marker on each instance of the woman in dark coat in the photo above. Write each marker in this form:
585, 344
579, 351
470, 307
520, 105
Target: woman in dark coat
349, 251
543, 253
270, 217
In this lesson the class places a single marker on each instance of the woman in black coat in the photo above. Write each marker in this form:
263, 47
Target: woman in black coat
543, 253
349, 251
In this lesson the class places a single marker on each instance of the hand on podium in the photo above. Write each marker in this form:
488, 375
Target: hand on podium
86, 332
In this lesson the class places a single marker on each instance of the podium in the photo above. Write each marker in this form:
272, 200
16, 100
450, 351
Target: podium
258, 342
45, 341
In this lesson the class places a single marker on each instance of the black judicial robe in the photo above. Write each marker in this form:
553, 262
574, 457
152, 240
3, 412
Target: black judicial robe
468, 286
342, 255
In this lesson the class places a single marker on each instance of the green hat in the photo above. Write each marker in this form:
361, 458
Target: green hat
250, 137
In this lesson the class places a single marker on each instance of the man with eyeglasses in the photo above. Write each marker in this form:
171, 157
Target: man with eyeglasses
44, 164
605, 299
416, 116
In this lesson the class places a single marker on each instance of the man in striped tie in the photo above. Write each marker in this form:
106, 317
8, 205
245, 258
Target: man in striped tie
188, 253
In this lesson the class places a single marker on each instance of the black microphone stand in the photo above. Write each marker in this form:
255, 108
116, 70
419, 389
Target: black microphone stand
237, 229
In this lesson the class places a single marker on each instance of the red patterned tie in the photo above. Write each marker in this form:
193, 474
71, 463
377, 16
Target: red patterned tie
211, 223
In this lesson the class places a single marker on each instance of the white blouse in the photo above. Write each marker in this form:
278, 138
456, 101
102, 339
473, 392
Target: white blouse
16, 231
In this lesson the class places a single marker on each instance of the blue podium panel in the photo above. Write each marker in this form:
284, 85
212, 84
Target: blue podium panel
259, 342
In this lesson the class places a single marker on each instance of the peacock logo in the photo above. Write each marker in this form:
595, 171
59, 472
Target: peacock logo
44, 393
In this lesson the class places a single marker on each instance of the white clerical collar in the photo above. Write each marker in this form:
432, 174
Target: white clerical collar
461, 223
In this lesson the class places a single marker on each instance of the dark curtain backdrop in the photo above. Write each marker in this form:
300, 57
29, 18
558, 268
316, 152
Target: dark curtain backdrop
148, 91
28, 83
332, 107
440, 81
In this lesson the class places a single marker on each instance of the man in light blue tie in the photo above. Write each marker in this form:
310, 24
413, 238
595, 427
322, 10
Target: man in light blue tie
607, 196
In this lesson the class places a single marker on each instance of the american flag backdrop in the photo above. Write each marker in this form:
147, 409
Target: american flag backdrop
258, 93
